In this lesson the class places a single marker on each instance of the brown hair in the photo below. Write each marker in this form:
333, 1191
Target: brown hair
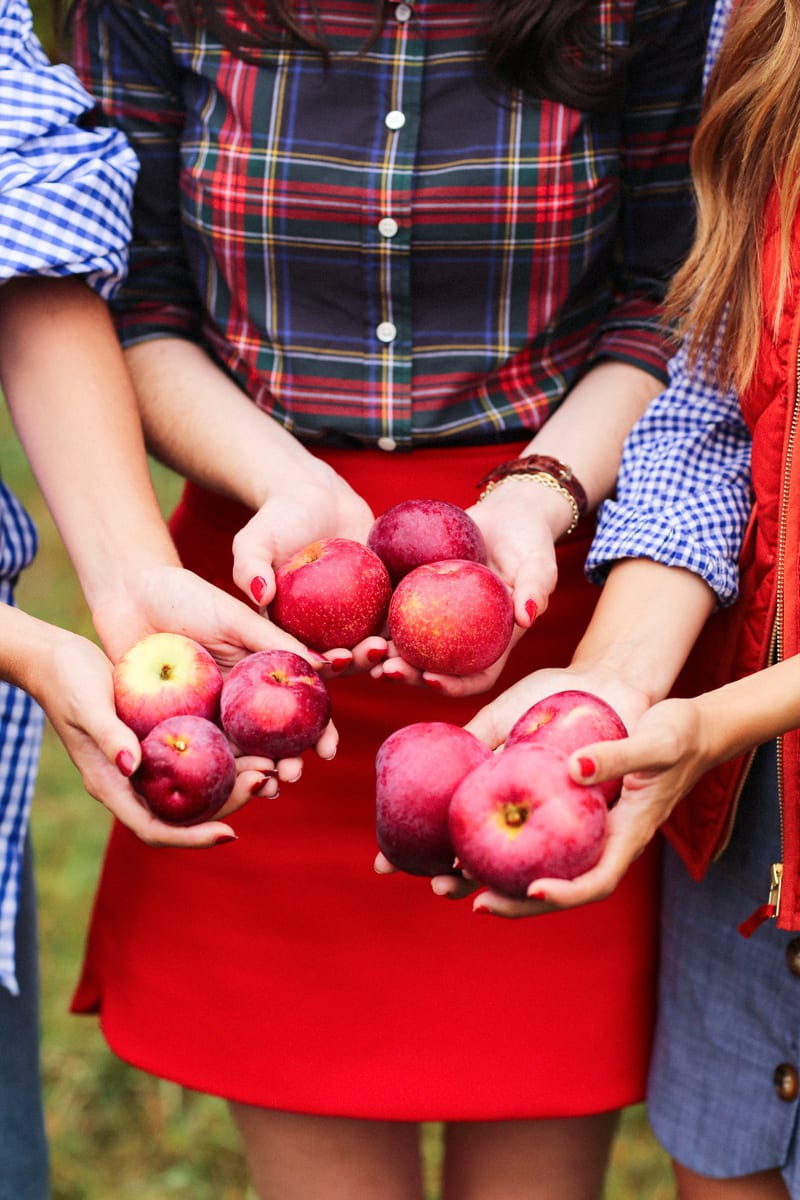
747, 141
548, 50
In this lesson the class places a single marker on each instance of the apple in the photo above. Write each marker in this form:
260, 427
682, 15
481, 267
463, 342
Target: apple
454, 617
334, 592
414, 532
569, 720
187, 770
418, 767
520, 817
274, 704
165, 675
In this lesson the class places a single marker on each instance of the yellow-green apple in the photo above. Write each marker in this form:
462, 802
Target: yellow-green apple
334, 592
520, 817
418, 767
414, 532
569, 720
274, 704
164, 675
454, 617
187, 770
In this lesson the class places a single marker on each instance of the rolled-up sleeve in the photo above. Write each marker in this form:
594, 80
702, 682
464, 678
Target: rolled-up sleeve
66, 188
683, 494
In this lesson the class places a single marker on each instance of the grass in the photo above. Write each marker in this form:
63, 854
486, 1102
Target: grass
113, 1130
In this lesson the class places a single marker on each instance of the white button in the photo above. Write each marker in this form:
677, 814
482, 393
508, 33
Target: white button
403, 12
387, 443
387, 227
386, 331
395, 119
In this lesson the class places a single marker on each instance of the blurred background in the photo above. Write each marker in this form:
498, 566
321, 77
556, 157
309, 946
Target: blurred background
115, 1132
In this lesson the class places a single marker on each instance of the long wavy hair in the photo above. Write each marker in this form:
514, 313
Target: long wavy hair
747, 142
549, 50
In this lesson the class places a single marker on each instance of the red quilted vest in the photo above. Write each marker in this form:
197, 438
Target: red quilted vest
739, 640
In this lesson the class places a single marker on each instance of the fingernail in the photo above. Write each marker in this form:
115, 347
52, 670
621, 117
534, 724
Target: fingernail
531, 608
482, 910
434, 684
124, 761
257, 588
375, 654
225, 837
339, 664
586, 767
537, 894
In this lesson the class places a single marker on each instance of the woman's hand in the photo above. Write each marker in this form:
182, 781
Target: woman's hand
72, 683
175, 600
629, 830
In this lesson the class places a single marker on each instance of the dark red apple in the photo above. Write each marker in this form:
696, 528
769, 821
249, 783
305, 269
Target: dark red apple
187, 770
453, 617
274, 704
414, 532
569, 720
334, 592
520, 817
418, 767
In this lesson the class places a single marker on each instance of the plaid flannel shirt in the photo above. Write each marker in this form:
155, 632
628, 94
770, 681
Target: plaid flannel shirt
381, 250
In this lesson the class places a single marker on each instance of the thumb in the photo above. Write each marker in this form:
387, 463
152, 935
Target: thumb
601, 761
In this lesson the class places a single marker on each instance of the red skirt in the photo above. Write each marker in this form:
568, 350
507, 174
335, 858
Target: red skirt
281, 971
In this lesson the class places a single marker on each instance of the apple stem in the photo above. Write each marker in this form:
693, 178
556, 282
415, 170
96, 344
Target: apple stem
515, 815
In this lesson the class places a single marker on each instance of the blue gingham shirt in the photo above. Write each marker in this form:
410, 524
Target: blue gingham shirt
683, 495
65, 197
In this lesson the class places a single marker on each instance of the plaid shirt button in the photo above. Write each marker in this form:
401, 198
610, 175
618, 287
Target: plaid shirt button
387, 227
387, 443
395, 119
386, 331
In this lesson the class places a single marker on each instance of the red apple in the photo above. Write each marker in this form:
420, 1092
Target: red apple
187, 770
520, 817
414, 532
454, 617
164, 675
274, 704
569, 720
418, 767
334, 592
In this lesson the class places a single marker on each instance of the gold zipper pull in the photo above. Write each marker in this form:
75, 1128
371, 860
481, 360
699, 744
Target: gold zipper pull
765, 912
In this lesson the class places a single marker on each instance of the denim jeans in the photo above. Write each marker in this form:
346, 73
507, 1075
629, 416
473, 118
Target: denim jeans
23, 1145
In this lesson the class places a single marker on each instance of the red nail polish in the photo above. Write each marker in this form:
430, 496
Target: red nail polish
375, 654
537, 895
339, 664
124, 761
531, 609
257, 588
225, 837
434, 684
586, 767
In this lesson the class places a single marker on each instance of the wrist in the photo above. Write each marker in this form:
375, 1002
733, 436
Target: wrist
542, 471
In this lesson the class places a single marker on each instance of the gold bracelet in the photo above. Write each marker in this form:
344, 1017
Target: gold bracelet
548, 481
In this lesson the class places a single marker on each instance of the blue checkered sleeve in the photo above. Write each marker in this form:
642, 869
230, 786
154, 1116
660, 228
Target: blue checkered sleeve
683, 494
65, 188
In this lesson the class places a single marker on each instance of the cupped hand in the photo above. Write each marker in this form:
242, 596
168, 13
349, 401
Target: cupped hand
629, 829
76, 692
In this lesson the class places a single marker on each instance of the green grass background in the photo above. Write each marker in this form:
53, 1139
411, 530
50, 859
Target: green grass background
115, 1132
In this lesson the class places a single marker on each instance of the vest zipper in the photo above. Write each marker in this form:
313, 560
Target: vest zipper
772, 907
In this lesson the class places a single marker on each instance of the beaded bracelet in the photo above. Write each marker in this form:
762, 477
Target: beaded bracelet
541, 469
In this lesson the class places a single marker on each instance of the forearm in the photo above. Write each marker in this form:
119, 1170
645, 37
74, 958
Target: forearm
73, 406
26, 644
646, 621
201, 424
751, 711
